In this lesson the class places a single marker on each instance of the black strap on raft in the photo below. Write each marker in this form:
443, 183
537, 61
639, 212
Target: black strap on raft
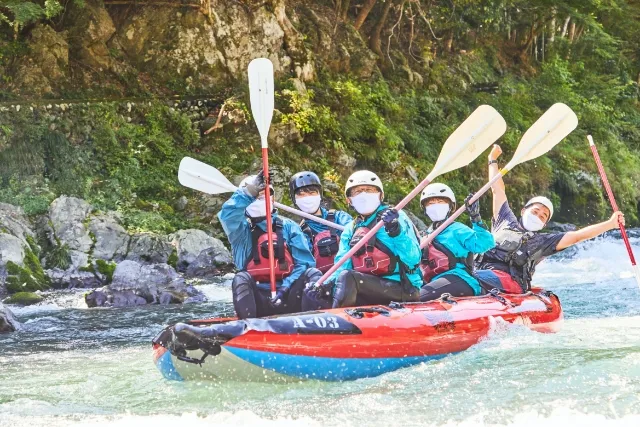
256, 233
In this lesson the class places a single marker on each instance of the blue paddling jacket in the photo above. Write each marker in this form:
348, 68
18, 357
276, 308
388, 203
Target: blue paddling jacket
238, 229
405, 246
462, 241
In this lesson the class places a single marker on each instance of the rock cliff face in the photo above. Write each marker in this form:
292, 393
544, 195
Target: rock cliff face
161, 47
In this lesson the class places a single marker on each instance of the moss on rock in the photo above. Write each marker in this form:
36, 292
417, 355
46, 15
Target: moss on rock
24, 298
27, 278
106, 268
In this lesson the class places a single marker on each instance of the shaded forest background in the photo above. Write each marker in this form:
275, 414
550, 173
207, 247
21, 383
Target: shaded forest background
88, 97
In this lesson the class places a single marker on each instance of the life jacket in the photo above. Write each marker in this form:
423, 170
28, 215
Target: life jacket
437, 258
325, 243
512, 250
258, 265
374, 257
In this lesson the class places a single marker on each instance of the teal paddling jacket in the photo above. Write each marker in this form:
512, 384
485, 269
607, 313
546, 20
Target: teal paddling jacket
236, 226
462, 240
405, 246
341, 218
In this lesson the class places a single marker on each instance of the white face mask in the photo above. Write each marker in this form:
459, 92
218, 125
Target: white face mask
531, 222
258, 208
309, 204
365, 203
437, 211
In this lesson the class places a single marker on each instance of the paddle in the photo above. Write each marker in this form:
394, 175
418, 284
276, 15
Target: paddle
202, 177
481, 129
262, 101
551, 128
614, 205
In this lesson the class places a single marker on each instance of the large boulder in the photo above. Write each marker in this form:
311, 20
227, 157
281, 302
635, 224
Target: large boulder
8, 323
137, 284
191, 243
111, 239
14, 222
210, 263
11, 249
149, 248
68, 217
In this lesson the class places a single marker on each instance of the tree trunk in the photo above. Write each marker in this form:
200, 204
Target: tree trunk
364, 12
448, 42
374, 42
535, 47
344, 12
552, 25
526, 48
565, 27
572, 31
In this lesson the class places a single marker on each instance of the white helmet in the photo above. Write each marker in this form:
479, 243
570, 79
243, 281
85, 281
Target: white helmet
438, 190
363, 178
249, 179
543, 201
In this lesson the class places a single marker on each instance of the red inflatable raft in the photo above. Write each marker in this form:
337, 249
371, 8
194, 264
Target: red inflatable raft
343, 344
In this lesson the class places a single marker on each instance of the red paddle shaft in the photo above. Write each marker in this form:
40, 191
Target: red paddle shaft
267, 199
614, 205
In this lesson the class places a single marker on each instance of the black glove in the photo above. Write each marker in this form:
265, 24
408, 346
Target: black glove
391, 222
473, 209
254, 188
278, 300
323, 290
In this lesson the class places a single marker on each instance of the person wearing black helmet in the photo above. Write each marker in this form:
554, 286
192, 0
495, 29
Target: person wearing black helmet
305, 189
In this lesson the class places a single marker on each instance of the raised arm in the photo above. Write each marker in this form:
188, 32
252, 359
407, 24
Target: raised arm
498, 190
589, 232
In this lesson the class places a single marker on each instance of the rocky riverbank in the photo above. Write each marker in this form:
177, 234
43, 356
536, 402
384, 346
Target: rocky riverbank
74, 245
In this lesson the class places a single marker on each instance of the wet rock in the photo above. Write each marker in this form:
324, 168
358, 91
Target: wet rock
149, 248
24, 298
137, 284
8, 323
68, 279
191, 243
210, 263
68, 216
111, 239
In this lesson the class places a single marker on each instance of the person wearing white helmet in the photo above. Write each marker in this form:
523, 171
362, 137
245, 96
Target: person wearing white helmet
520, 246
387, 268
447, 263
243, 218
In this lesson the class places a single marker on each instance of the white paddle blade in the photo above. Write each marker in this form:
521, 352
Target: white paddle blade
202, 177
261, 93
481, 129
551, 128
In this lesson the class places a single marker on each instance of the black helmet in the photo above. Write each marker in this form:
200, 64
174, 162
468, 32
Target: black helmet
303, 179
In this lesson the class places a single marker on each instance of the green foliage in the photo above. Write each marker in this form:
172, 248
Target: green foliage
58, 257
106, 268
24, 298
173, 258
23, 12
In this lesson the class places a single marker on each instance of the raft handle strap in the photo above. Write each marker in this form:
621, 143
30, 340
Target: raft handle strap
446, 297
358, 313
495, 293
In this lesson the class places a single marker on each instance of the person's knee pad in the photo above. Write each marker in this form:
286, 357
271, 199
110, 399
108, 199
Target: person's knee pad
242, 285
312, 275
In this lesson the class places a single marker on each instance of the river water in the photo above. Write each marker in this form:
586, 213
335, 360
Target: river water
71, 366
